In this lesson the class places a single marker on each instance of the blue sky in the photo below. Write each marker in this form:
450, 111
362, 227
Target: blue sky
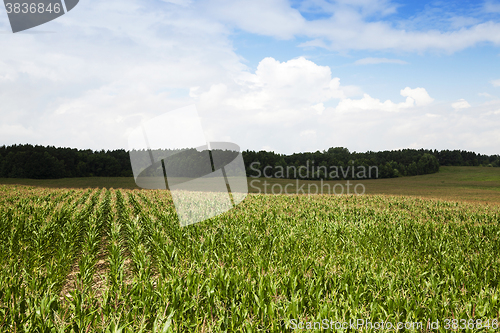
278, 75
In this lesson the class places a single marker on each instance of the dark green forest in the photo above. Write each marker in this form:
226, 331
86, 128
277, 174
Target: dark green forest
39, 162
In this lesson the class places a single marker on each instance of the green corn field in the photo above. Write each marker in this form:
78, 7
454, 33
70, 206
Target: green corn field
105, 260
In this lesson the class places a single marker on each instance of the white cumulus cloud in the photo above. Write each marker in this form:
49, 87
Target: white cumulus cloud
414, 97
460, 104
419, 95
277, 90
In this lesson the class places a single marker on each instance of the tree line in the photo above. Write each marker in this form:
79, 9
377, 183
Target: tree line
40, 162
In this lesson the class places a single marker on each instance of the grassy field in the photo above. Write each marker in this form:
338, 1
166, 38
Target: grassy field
100, 260
466, 184
471, 184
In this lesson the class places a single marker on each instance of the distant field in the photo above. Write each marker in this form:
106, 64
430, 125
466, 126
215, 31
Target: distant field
472, 184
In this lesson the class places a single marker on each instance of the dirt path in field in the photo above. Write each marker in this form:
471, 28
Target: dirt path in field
100, 269
98, 280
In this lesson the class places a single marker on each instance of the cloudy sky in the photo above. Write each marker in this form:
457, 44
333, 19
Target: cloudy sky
280, 75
